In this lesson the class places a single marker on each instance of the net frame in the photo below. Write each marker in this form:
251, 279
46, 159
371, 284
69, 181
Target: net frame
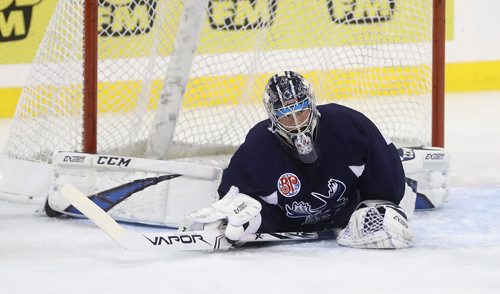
90, 86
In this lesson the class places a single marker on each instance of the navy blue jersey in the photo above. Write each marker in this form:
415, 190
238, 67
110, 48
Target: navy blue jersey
355, 163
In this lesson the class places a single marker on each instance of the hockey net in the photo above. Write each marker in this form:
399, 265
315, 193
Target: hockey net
374, 56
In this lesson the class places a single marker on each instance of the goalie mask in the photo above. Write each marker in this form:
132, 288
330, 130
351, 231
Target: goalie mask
291, 106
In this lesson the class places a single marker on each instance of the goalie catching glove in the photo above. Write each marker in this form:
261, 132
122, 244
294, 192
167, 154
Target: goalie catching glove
377, 224
235, 215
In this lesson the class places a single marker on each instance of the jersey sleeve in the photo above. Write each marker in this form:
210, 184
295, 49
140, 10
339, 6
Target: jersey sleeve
251, 163
383, 176
249, 171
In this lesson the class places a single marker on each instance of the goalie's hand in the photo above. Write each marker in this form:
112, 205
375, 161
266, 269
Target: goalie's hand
235, 215
377, 224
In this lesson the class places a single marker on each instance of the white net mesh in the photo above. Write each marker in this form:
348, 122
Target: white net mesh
374, 56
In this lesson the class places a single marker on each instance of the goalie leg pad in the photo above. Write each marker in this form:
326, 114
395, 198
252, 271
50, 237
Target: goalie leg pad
377, 226
426, 170
134, 190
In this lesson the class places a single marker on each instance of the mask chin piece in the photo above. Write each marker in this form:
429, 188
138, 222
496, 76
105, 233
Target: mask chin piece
306, 149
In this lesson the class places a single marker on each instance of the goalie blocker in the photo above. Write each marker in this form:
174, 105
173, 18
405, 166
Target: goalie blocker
159, 192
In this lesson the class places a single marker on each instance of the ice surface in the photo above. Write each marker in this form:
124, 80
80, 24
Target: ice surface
457, 250
457, 247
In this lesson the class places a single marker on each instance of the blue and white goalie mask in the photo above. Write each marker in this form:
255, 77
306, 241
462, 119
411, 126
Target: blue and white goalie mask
291, 106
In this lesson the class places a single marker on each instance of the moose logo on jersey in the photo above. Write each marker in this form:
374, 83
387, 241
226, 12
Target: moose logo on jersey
289, 185
329, 204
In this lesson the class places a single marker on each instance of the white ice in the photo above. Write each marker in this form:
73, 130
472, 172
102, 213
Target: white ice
457, 247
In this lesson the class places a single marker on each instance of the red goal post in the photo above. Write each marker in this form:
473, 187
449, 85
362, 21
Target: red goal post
438, 73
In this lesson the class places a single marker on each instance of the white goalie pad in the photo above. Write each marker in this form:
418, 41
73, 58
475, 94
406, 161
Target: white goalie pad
137, 190
426, 170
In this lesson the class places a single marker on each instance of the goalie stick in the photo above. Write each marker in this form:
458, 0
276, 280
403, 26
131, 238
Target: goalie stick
190, 240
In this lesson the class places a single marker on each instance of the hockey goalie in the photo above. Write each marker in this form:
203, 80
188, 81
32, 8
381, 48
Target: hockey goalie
306, 168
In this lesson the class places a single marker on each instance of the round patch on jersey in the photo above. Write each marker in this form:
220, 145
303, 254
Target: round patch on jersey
289, 185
